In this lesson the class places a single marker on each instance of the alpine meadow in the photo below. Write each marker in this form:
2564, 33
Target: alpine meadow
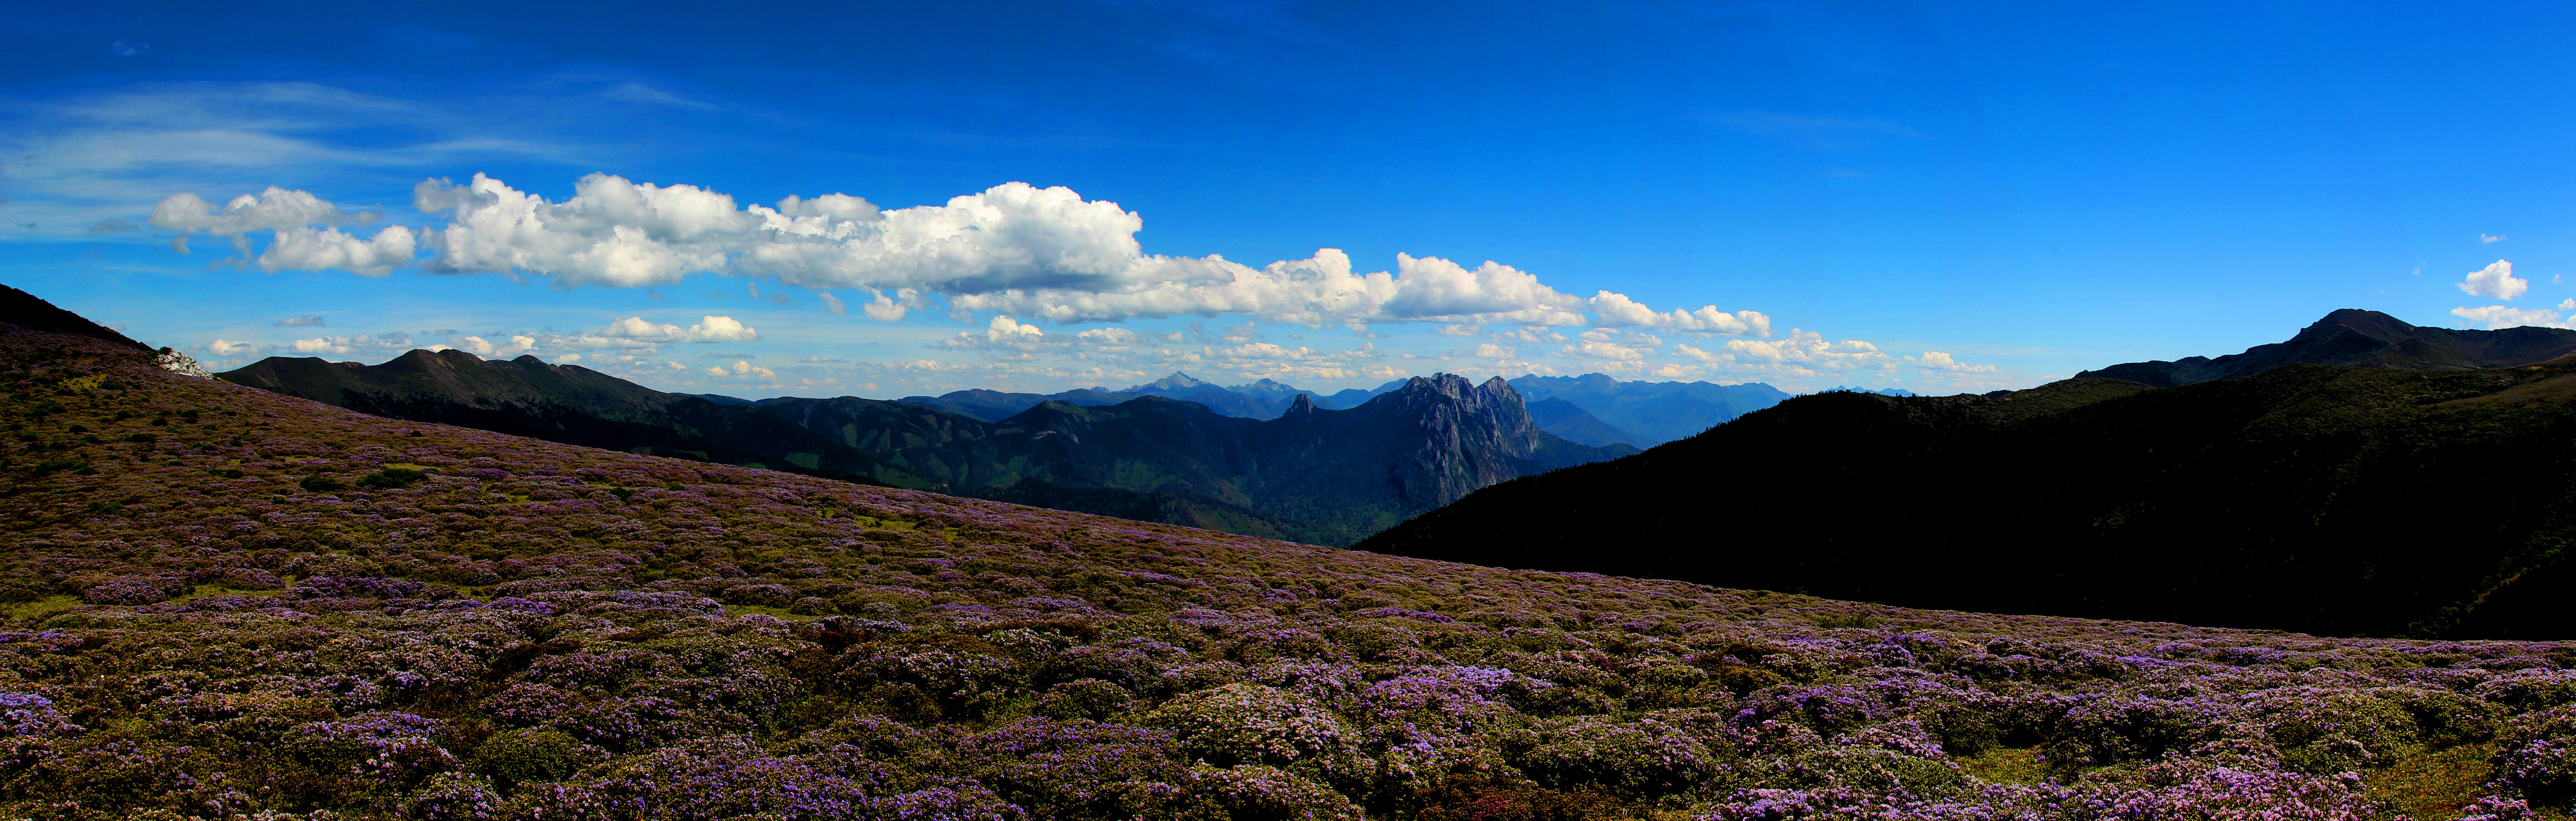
1288, 410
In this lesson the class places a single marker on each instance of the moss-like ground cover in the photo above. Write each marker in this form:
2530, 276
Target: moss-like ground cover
533, 631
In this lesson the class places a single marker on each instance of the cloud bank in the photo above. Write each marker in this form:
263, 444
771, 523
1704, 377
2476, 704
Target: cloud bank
1041, 254
1019, 262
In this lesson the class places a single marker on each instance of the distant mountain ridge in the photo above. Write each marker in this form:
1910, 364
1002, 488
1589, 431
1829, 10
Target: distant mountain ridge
1653, 412
1313, 474
1600, 410
2362, 339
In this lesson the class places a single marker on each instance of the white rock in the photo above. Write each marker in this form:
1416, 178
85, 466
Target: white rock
180, 363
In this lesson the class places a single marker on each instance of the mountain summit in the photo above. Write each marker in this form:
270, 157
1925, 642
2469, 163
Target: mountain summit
2356, 338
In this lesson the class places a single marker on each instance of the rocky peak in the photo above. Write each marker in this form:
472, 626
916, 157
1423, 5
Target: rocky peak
1468, 435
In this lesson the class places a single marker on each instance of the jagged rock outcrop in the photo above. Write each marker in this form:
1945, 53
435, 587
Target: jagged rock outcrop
2356, 338
180, 363
1467, 437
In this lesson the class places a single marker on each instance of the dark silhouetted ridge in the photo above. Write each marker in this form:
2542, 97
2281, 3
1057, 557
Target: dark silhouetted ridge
25, 310
2363, 339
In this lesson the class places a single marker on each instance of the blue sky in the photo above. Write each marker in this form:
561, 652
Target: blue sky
1939, 198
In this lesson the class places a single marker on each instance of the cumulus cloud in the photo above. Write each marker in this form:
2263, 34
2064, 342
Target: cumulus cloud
305, 321
1042, 254
2496, 280
512, 346
2490, 239
2504, 316
1002, 334
709, 329
275, 209
343, 345
226, 347
304, 249
1619, 311
1942, 362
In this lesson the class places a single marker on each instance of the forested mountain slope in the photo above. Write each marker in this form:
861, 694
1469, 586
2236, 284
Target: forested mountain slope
1323, 476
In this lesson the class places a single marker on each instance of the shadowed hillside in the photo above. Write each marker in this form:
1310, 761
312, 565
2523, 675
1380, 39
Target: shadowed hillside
2324, 499
2363, 339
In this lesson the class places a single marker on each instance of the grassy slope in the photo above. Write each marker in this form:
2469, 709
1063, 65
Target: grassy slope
537, 628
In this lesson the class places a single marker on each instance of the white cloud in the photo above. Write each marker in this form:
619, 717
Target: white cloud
833, 303
1044, 254
275, 209
1002, 334
304, 249
1490, 350
2490, 239
1596, 349
709, 329
514, 346
2496, 280
2568, 304
612, 232
1938, 361
1619, 311
307, 320
226, 347
2504, 316
343, 345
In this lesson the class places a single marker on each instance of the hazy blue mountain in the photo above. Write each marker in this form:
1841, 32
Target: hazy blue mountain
1573, 424
719, 398
1655, 412
995, 406
1261, 399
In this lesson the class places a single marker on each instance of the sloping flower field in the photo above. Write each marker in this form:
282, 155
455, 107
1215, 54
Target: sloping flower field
229, 604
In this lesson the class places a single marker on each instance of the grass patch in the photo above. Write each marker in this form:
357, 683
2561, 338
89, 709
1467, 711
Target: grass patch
42, 607
2008, 765
2433, 784
205, 590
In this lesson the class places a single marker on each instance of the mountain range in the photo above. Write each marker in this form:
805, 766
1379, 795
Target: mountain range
1592, 409
1313, 474
2391, 490
1260, 399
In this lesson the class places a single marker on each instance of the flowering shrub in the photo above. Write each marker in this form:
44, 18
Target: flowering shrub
526, 631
